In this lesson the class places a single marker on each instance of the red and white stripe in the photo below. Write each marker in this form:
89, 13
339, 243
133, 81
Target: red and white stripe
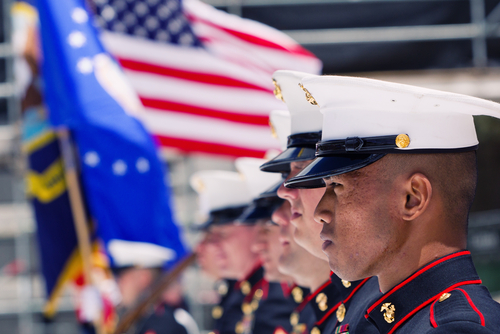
216, 99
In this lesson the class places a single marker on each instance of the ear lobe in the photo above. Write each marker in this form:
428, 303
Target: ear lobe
418, 195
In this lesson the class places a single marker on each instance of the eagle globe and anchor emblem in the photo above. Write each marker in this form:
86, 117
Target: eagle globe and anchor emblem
389, 312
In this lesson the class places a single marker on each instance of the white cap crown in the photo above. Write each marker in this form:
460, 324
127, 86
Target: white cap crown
219, 189
360, 107
304, 116
280, 123
257, 180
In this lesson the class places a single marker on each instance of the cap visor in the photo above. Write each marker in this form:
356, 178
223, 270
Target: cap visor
272, 191
281, 163
262, 208
312, 175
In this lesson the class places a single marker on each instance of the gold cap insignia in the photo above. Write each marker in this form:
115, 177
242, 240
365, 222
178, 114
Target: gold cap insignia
279, 331
444, 296
309, 97
341, 312
199, 185
273, 130
298, 294
294, 318
239, 329
246, 308
277, 91
322, 300
389, 312
217, 312
315, 330
245, 287
402, 141
345, 283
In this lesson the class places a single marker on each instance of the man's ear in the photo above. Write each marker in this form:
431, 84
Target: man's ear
418, 190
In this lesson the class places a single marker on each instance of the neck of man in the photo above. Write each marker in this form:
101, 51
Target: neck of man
247, 270
420, 249
314, 278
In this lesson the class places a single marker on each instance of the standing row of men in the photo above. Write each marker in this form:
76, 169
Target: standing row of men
365, 228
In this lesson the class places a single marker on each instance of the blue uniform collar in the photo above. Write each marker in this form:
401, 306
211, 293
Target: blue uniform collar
425, 286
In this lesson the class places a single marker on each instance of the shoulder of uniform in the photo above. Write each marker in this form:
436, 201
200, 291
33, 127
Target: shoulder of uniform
462, 327
470, 305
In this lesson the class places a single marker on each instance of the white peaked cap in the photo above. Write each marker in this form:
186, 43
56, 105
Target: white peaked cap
280, 123
364, 119
257, 180
432, 119
304, 116
141, 254
218, 189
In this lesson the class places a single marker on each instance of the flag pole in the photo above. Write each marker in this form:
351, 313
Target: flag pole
154, 294
77, 209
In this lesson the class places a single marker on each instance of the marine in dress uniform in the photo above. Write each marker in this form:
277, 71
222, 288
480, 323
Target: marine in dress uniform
273, 299
343, 301
406, 153
223, 196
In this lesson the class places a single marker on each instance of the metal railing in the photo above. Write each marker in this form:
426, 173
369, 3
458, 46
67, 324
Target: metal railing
480, 28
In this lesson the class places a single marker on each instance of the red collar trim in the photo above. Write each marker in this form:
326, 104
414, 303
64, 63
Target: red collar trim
427, 302
356, 289
256, 267
344, 301
311, 296
287, 289
412, 277
333, 309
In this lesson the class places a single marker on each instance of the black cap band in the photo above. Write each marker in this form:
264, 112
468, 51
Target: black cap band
308, 139
356, 145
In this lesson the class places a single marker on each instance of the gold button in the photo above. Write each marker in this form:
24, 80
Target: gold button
254, 304
294, 318
245, 287
279, 331
322, 300
246, 308
309, 97
389, 312
402, 141
345, 283
315, 330
298, 294
222, 288
258, 294
217, 312
444, 296
300, 328
341, 312
239, 329
277, 91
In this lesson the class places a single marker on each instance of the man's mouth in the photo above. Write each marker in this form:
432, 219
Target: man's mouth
326, 241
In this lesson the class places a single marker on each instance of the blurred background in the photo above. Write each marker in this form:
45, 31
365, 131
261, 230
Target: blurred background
451, 45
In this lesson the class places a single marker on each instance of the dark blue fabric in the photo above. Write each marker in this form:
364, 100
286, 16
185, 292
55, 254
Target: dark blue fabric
274, 311
56, 233
452, 315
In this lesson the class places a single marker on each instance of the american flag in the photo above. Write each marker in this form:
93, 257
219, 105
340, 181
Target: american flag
202, 75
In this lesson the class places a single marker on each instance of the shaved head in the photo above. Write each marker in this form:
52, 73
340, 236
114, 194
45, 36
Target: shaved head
452, 175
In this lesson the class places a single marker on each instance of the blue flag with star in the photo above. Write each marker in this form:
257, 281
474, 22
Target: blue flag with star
123, 179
